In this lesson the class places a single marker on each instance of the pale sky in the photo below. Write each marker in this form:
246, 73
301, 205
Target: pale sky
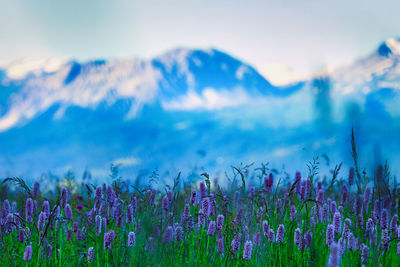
273, 35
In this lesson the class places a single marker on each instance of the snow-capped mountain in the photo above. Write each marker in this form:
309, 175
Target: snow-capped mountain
180, 79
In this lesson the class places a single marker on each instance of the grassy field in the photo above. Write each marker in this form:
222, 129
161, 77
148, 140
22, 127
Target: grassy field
262, 217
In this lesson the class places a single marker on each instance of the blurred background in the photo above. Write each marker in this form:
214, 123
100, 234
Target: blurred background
168, 86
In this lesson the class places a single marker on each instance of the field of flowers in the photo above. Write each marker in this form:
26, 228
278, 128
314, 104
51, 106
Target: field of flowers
261, 217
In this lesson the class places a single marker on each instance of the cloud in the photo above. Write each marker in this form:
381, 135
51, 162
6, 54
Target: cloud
209, 99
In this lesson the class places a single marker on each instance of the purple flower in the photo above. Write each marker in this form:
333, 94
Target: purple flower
167, 237
110, 197
29, 209
297, 236
280, 233
393, 224
41, 220
350, 242
342, 245
68, 212
265, 227
165, 203
292, 212
252, 192
345, 195
324, 213
134, 203
90, 255
79, 234
334, 256
384, 219
220, 245
367, 196
346, 227
97, 196
203, 190
271, 180
235, 244
131, 239
28, 253
178, 233
211, 228
358, 205
109, 239
79, 207
248, 248
35, 191
351, 176
63, 197
337, 222
271, 235
364, 253
21, 235
49, 251
205, 205
98, 221
329, 234
239, 216
69, 234
220, 222
257, 238
321, 195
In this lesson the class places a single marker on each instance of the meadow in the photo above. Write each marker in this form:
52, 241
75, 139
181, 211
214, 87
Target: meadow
261, 217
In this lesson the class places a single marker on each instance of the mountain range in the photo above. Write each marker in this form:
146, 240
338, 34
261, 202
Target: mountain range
191, 108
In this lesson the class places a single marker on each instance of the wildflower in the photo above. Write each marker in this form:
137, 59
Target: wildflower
329, 234
248, 248
165, 203
235, 244
134, 204
297, 182
265, 227
98, 222
220, 245
297, 236
271, 180
308, 238
35, 191
345, 195
220, 222
358, 205
384, 219
252, 192
346, 227
110, 197
179, 231
69, 234
63, 198
200, 219
29, 209
236, 199
334, 256
21, 235
211, 228
342, 245
364, 253
337, 222
49, 250
46, 208
292, 212
393, 224
257, 238
350, 241
205, 205
68, 212
324, 213
79, 234
367, 196
186, 211
203, 190
109, 239
239, 216
351, 176
280, 233
271, 235
28, 253
131, 239
167, 238
90, 255
41, 220
321, 195
79, 207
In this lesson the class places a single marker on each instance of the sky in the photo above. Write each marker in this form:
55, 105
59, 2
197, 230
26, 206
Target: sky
284, 39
